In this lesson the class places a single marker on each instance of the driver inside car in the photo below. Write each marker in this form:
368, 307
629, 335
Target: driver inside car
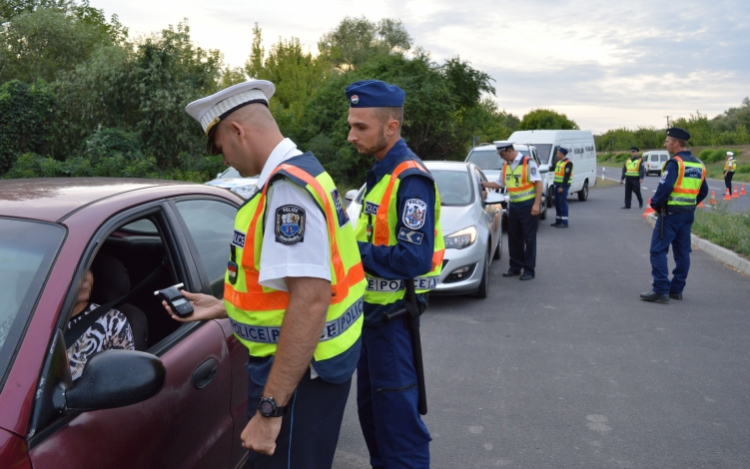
110, 331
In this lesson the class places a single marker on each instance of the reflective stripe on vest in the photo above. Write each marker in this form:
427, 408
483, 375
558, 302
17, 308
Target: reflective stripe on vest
729, 165
257, 312
632, 168
560, 171
520, 187
383, 233
688, 183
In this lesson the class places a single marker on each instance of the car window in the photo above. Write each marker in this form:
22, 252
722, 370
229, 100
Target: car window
211, 224
486, 159
27, 250
144, 226
544, 152
455, 187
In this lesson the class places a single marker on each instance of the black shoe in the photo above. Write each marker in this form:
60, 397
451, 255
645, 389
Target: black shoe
554, 224
640, 205
655, 297
628, 208
675, 296
526, 277
510, 273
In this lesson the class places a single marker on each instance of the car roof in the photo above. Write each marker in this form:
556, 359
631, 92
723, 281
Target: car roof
491, 146
52, 199
446, 165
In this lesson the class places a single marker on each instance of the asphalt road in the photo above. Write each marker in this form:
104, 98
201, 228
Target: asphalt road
572, 370
651, 182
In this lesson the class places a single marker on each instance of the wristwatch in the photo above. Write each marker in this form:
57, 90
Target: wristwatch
268, 407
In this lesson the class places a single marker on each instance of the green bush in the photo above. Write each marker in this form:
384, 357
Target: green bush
744, 169
621, 157
605, 158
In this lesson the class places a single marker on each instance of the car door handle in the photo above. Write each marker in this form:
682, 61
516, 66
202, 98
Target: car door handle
205, 373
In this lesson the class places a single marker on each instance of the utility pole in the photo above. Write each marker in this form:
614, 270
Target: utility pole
668, 126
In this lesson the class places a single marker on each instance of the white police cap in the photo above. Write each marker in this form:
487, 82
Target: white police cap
729, 153
503, 145
210, 110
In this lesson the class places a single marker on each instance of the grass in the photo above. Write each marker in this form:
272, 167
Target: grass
605, 183
727, 229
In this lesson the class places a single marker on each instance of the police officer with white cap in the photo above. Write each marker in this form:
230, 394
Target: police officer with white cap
729, 167
521, 177
294, 284
681, 188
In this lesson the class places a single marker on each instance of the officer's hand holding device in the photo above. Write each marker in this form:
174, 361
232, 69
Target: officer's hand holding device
176, 300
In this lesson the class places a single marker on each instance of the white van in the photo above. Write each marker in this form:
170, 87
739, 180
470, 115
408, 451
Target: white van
653, 161
581, 151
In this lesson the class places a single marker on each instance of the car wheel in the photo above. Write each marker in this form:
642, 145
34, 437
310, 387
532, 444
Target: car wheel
484, 284
551, 196
499, 248
583, 194
543, 211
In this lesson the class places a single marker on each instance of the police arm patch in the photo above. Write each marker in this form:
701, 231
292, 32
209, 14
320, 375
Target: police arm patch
414, 237
415, 214
290, 224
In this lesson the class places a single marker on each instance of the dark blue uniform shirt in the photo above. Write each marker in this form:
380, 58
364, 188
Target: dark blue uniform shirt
666, 184
406, 259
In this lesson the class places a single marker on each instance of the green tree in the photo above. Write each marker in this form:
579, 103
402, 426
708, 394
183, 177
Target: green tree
357, 40
539, 119
26, 111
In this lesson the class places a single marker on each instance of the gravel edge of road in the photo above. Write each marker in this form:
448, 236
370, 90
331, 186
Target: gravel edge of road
724, 255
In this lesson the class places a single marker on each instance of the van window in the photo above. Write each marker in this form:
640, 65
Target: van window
664, 157
543, 150
655, 158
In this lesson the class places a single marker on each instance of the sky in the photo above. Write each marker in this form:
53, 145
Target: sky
604, 64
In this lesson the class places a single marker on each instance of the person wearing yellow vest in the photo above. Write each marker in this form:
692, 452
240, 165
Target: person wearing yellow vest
632, 176
681, 188
522, 179
294, 285
563, 175
400, 240
729, 167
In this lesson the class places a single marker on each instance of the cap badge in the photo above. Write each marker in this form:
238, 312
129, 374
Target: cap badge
355, 99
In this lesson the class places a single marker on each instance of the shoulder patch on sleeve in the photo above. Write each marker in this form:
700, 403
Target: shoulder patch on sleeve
290, 224
533, 171
414, 237
341, 215
415, 213
663, 176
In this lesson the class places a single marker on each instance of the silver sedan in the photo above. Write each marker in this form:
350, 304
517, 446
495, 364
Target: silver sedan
471, 222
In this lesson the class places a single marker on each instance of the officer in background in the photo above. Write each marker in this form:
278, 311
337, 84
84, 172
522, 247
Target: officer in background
632, 175
729, 167
681, 188
294, 272
400, 239
521, 176
563, 176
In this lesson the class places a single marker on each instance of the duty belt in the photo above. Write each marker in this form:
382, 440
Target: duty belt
392, 286
270, 334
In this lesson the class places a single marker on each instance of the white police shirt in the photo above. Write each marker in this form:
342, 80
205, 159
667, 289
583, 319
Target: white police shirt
534, 175
307, 257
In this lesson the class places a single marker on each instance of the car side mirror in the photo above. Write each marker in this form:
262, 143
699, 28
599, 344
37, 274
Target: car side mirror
113, 378
493, 198
543, 168
351, 194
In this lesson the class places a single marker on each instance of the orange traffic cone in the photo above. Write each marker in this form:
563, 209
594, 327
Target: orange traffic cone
727, 195
736, 194
700, 204
649, 210
713, 198
742, 192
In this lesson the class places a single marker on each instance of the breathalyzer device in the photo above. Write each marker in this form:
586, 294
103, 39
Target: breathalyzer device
176, 300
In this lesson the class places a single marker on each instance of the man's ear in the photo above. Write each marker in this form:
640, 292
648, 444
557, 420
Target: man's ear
236, 129
392, 127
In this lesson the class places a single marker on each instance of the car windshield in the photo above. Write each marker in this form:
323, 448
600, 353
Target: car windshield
543, 150
486, 159
26, 252
455, 187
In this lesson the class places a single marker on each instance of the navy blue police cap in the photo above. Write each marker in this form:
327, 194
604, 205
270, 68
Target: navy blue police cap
503, 145
563, 150
635, 149
678, 133
374, 93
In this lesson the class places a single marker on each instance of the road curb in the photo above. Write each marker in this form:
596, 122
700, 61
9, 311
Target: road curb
730, 258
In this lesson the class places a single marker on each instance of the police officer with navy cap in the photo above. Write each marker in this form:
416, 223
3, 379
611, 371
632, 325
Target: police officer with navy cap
681, 188
632, 175
563, 176
400, 241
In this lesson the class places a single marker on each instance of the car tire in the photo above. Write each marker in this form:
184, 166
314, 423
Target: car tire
483, 289
499, 248
583, 194
550, 196
543, 212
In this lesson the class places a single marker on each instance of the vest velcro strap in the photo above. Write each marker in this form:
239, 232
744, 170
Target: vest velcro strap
682, 199
270, 334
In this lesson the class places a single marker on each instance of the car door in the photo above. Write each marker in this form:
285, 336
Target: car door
491, 214
188, 423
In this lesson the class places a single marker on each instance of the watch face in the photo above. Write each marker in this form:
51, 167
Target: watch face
266, 408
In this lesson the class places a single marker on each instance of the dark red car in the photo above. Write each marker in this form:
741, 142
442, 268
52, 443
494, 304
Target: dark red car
180, 399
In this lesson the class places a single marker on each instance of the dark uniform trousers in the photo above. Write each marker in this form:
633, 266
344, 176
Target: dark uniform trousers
632, 184
561, 204
522, 229
728, 181
387, 397
677, 233
309, 430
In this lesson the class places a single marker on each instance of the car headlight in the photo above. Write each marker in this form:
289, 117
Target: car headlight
461, 239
